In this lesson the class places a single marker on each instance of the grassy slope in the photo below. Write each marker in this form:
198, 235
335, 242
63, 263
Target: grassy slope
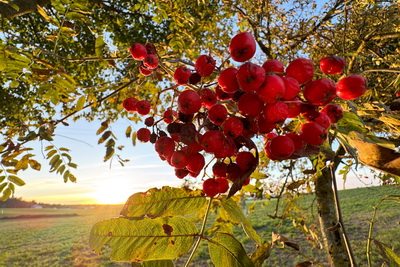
64, 241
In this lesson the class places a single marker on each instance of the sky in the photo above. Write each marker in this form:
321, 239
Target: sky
100, 182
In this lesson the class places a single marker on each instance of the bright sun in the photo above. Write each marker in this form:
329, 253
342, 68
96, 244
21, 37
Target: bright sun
112, 192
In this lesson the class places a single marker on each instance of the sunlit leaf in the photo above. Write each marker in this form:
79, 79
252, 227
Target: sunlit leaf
144, 240
236, 215
350, 122
388, 255
6, 194
81, 103
168, 201
128, 131
3, 185
261, 254
226, 250
16, 180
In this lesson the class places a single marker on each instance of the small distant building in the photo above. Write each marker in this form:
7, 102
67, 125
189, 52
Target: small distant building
37, 206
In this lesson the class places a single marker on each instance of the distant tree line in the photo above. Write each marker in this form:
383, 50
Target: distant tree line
18, 202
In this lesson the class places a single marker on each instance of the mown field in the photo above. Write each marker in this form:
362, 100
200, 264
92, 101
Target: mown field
63, 241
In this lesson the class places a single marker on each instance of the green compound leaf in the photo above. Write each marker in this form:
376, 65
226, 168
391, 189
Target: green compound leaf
225, 250
162, 238
167, 201
237, 216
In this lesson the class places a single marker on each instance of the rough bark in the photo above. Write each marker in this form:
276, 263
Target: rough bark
25, 6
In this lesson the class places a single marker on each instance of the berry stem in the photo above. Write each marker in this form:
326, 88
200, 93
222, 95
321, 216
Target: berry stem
203, 228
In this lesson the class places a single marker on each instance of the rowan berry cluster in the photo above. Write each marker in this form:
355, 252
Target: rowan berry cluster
250, 100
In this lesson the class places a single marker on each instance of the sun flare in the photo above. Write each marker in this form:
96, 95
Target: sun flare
110, 191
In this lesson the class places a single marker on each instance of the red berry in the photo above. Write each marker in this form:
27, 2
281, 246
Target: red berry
272, 89
217, 114
179, 159
334, 112
208, 97
294, 107
204, 65
233, 127
273, 66
150, 61
301, 69
196, 163
250, 127
320, 91
151, 48
129, 104
143, 107
219, 169
281, 147
276, 112
165, 146
233, 172
144, 71
264, 126
249, 104
143, 135
189, 102
223, 184
194, 78
313, 133
297, 141
322, 120
292, 88
138, 51
212, 141
169, 116
181, 173
242, 47
227, 80
221, 95
211, 187
245, 160
149, 121
228, 149
332, 65
351, 87
268, 151
182, 75
250, 77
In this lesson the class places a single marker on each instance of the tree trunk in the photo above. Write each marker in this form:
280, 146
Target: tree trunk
332, 238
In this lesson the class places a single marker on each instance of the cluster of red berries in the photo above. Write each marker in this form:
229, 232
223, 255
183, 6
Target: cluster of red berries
248, 101
147, 54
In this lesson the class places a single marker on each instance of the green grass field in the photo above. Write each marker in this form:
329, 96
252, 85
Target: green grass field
63, 241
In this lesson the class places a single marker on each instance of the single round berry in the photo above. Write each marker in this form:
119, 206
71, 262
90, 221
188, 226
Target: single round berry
351, 87
250, 77
233, 127
143, 135
292, 88
211, 187
313, 133
273, 66
219, 169
181, 173
208, 97
129, 104
301, 69
179, 159
320, 92
242, 47
217, 114
281, 147
189, 102
196, 163
194, 78
227, 80
143, 107
297, 141
276, 112
221, 95
212, 141
165, 146
182, 75
334, 112
294, 107
150, 61
145, 71
245, 160
332, 65
151, 48
272, 89
322, 120
138, 51
228, 149
204, 65
223, 185
249, 104
264, 126
149, 121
